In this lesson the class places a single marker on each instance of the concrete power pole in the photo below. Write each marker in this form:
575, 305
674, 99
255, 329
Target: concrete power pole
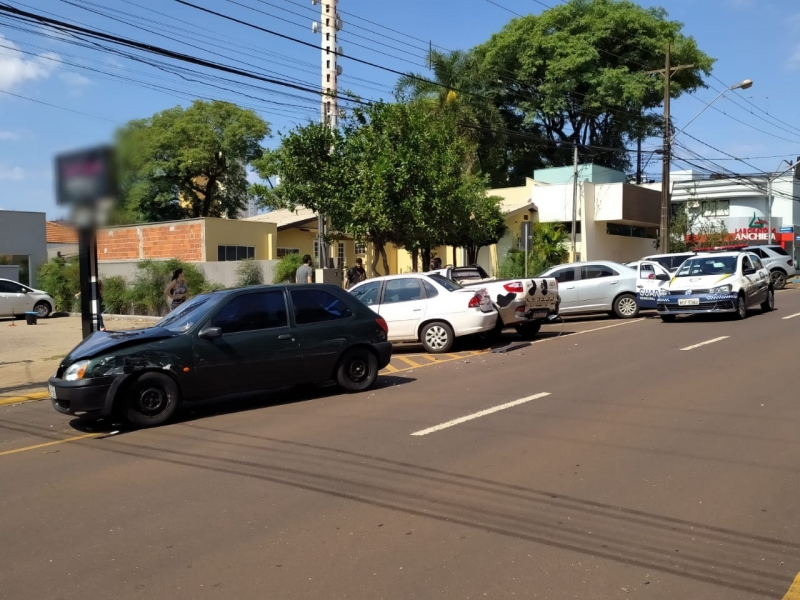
665, 185
329, 25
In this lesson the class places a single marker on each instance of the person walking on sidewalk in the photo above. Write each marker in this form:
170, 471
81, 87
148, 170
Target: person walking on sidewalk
355, 274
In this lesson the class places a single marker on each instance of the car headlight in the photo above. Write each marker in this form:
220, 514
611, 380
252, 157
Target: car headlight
76, 370
721, 289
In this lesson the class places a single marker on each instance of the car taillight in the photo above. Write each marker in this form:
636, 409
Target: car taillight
790, 263
382, 324
515, 287
475, 301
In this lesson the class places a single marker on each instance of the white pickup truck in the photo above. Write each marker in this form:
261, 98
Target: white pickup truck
523, 303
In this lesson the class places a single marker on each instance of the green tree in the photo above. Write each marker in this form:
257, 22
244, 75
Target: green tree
578, 73
190, 162
286, 269
248, 272
688, 231
392, 173
479, 223
60, 278
548, 248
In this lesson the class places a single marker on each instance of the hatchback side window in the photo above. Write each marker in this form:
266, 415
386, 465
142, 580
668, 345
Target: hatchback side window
367, 293
401, 290
7, 287
757, 264
564, 275
647, 271
318, 306
252, 312
597, 271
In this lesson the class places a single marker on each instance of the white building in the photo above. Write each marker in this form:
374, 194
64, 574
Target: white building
740, 204
615, 220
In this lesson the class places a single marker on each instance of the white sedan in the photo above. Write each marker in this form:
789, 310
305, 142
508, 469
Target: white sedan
427, 308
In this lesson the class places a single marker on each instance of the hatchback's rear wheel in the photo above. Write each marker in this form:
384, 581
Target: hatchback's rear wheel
152, 400
778, 278
42, 309
437, 337
357, 370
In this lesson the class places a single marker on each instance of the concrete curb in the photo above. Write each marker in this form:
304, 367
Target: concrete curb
125, 317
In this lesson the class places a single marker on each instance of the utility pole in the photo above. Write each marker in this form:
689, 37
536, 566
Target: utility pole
639, 160
328, 27
665, 184
574, 200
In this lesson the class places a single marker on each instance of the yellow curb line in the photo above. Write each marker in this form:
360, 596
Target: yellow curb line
794, 590
72, 439
25, 398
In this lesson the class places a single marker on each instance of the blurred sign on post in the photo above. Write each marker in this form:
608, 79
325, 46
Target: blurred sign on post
86, 184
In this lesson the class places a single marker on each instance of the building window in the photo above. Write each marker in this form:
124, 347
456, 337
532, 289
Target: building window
316, 249
23, 261
716, 208
631, 231
232, 253
340, 255
282, 252
361, 248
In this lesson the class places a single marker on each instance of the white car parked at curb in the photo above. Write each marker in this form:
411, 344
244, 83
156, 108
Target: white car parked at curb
427, 308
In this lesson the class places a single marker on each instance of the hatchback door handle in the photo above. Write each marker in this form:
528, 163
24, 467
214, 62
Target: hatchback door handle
286, 336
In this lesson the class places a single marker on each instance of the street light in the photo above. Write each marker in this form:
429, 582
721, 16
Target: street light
770, 179
742, 85
668, 138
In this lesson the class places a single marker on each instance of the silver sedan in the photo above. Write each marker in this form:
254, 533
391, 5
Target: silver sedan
596, 287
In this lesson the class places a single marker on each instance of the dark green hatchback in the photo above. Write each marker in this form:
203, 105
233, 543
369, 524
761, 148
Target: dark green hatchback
224, 343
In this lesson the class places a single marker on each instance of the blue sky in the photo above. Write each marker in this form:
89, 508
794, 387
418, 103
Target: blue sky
755, 39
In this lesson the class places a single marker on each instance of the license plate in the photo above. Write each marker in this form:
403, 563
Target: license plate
539, 314
52, 391
688, 301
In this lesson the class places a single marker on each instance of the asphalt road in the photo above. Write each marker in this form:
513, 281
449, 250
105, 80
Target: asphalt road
622, 460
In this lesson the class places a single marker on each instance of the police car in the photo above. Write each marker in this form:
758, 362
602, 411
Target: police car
724, 282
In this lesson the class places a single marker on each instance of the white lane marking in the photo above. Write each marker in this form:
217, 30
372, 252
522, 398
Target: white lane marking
791, 316
719, 339
479, 414
550, 339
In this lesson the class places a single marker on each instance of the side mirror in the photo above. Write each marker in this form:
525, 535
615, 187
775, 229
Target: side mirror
662, 277
749, 272
210, 333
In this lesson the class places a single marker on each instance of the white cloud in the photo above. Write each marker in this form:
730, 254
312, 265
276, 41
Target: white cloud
8, 135
74, 79
12, 173
17, 68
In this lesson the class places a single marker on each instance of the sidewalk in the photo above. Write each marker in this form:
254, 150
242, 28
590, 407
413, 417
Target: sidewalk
30, 354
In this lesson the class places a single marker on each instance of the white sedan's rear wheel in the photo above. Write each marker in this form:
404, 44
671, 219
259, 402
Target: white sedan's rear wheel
437, 337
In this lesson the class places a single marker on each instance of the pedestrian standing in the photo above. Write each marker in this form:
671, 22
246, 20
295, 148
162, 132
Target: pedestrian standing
355, 274
436, 264
177, 292
305, 274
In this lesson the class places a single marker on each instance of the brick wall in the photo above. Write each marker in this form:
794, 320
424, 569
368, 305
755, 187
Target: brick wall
158, 241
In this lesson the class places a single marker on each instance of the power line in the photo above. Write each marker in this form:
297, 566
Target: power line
77, 112
504, 8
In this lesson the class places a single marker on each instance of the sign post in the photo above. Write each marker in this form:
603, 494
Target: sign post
85, 182
526, 232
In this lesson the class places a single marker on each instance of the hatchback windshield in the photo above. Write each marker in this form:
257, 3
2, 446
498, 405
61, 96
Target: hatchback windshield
183, 317
708, 265
448, 284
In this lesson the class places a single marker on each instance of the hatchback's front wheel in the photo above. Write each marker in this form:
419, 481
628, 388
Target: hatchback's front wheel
437, 337
152, 400
357, 370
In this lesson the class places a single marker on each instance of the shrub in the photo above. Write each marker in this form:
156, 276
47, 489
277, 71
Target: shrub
116, 296
61, 279
152, 277
286, 269
248, 272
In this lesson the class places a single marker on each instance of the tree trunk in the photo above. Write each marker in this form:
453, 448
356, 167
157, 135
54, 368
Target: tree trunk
455, 259
426, 258
415, 260
377, 249
385, 259
208, 196
472, 254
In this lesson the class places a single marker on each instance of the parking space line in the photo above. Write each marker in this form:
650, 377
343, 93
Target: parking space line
25, 398
791, 316
479, 414
391, 369
574, 333
408, 361
46, 444
794, 590
433, 359
454, 356
706, 343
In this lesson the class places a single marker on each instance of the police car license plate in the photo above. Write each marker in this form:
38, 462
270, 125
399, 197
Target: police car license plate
688, 301
52, 391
